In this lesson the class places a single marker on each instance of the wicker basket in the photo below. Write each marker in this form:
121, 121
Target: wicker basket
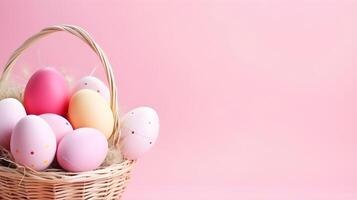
107, 182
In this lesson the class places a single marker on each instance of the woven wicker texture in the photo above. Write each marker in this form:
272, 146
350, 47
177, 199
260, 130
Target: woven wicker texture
20, 182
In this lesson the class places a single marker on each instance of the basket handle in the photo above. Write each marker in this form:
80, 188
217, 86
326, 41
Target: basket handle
84, 36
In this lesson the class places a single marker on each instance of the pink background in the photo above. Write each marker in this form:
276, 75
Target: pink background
257, 99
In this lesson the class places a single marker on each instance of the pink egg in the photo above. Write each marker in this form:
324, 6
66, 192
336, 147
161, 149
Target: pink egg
60, 125
33, 143
139, 131
11, 111
83, 150
46, 92
133, 147
92, 83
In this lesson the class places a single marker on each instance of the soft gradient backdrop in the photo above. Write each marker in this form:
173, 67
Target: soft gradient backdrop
257, 99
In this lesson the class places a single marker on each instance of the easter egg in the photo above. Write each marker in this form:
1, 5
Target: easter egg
88, 109
11, 111
83, 150
139, 131
33, 143
46, 92
60, 126
92, 83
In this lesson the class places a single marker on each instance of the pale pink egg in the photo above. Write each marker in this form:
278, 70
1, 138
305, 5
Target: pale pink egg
11, 111
60, 125
92, 83
133, 147
46, 92
33, 143
83, 150
139, 131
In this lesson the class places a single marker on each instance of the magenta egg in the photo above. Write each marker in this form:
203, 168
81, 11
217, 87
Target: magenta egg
46, 92
82, 150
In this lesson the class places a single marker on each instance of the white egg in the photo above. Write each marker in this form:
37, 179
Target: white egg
139, 131
11, 111
92, 83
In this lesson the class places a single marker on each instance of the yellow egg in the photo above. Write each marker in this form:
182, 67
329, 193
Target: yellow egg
87, 108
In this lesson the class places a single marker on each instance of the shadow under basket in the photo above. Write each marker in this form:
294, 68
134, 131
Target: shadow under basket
107, 182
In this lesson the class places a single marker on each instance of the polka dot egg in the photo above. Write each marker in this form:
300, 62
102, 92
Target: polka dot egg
33, 143
93, 83
139, 131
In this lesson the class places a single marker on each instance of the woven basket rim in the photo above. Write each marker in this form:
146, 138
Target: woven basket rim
59, 175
